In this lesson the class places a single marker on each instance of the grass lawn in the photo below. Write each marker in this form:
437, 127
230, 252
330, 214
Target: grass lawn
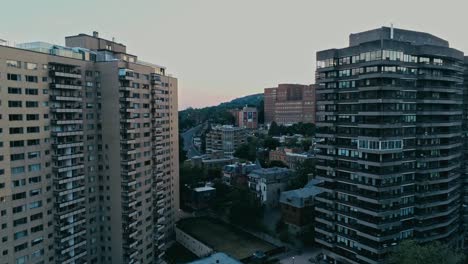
223, 238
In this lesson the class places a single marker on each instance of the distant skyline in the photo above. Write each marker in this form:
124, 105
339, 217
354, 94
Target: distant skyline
220, 50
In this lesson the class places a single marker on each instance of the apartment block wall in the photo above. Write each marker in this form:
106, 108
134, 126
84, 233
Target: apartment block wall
389, 114
26, 194
98, 182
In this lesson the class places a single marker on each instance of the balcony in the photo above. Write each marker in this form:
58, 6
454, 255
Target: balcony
68, 167
71, 212
126, 74
65, 98
66, 86
71, 75
65, 191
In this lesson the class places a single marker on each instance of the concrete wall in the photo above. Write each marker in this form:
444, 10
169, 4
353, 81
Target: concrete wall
192, 244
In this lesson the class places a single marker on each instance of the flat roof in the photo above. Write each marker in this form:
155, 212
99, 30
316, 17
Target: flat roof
223, 237
204, 189
216, 258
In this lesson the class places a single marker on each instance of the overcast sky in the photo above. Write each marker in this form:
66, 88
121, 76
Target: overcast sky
223, 49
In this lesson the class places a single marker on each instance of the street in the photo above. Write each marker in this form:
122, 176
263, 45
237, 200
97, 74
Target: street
188, 141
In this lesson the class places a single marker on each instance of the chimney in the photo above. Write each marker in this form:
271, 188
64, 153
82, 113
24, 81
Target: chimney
95, 34
391, 31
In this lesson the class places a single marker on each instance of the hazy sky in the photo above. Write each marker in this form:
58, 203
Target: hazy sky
220, 49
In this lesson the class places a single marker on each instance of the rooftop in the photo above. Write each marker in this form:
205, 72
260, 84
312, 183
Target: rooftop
226, 128
275, 173
204, 189
223, 237
216, 258
413, 37
297, 197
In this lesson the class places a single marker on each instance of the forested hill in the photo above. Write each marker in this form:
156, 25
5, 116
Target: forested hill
190, 117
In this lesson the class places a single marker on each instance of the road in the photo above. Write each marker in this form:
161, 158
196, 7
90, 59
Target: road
188, 141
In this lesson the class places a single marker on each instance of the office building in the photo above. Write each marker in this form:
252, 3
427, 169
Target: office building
225, 138
289, 104
247, 117
389, 115
89, 154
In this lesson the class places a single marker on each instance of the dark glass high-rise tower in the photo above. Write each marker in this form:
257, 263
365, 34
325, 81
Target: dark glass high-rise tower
389, 110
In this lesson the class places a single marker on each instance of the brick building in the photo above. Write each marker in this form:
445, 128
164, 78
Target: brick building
290, 103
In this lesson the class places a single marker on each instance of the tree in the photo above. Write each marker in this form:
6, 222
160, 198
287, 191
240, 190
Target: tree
274, 129
410, 252
271, 143
261, 111
182, 152
277, 163
302, 172
306, 143
245, 210
248, 151
244, 152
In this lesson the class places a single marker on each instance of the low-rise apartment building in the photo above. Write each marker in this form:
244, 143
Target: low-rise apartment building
225, 138
268, 184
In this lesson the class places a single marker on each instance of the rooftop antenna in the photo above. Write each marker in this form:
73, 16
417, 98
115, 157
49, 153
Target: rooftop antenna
391, 30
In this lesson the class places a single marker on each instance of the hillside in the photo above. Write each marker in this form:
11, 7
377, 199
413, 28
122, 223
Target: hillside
219, 113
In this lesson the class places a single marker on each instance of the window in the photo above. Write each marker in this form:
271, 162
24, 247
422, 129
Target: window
34, 167
19, 209
14, 90
18, 196
16, 143
35, 192
30, 78
17, 170
21, 247
33, 129
14, 77
20, 234
15, 117
20, 221
30, 117
37, 228
36, 204
19, 183
35, 216
15, 157
15, 104
31, 66
31, 91
16, 130
13, 64
34, 154
33, 142
32, 104
37, 241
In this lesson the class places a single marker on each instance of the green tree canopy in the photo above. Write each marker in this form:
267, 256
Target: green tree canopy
277, 163
274, 129
302, 172
271, 143
410, 252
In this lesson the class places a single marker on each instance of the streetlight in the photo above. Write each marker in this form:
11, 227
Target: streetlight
293, 260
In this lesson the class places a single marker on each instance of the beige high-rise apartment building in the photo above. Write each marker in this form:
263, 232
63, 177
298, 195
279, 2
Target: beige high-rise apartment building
88, 154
